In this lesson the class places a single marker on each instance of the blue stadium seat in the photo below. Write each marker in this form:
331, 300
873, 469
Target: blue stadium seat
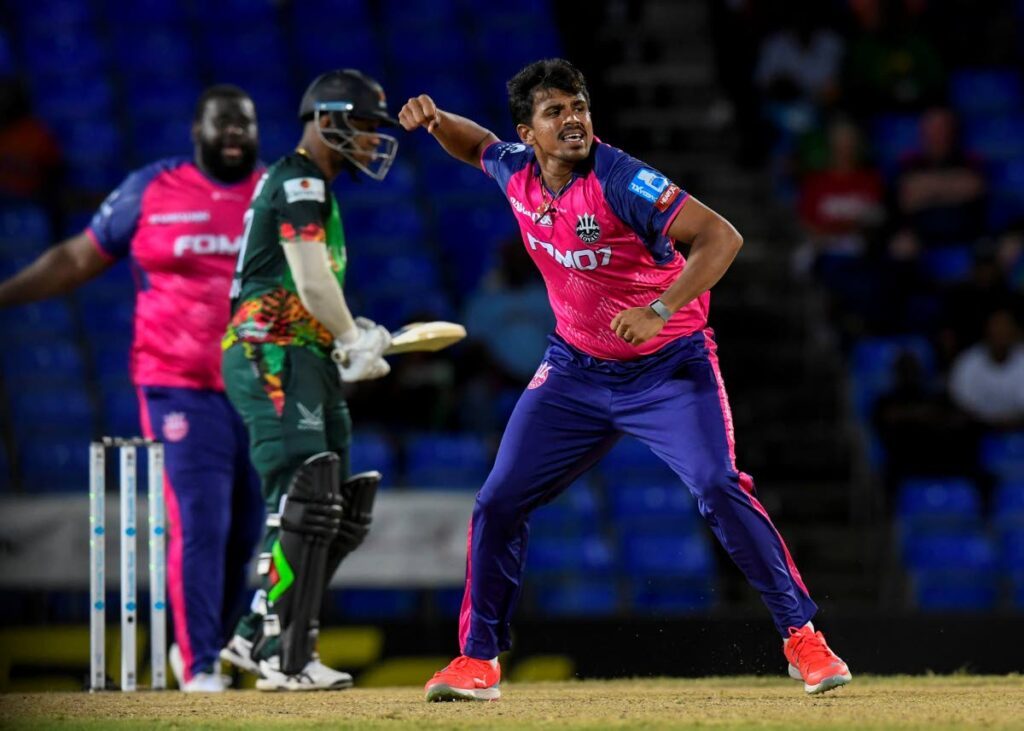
588, 555
397, 308
24, 226
978, 92
666, 506
448, 601
632, 463
470, 232
84, 99
996, 138
393, 273
52, 362
681, 596
48, 408
91, 142
955, 571
645, 554
958, 550
1006, 192
1008, 505
66, 52
120, 401
872, 367
55, 464
362, 222
377, 604
374, 451
948, 264
940, 592
1003, 455
47, 320
447, 461
940, 502
576, 597
573, 513
893, 137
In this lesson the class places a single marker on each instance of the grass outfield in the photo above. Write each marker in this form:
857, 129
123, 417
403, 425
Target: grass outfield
741, 703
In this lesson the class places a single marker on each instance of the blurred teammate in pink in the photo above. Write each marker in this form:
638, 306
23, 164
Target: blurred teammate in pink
179, 222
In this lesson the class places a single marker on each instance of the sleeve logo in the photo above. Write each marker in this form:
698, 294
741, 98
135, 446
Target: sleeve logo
648, 184
670, 194
304, 189
510, 148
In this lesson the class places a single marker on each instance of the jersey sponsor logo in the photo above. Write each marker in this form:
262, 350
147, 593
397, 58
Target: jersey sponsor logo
305, 189
509, 148
203, 244
310, 420
157, 219
587, 228
540, 376
582, 259
175, 426
648, 184
534, 216
666, 198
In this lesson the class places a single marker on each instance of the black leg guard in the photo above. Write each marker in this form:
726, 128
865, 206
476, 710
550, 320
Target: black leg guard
357, 496
309, 524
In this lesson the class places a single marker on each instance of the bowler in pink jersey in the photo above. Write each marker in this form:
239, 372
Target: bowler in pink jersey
631, 354
179, 223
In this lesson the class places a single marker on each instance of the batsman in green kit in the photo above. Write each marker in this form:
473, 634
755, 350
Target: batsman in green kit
290, 344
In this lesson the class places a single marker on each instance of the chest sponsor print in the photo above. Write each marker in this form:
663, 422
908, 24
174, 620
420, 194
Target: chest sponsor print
582, 259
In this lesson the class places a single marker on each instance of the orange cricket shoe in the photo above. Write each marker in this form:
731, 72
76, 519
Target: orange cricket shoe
465, 679
812, 661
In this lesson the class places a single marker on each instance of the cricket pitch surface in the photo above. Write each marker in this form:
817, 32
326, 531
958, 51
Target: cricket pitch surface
869, 702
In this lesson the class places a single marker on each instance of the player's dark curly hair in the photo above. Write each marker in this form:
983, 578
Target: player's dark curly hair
217, 91
551, 73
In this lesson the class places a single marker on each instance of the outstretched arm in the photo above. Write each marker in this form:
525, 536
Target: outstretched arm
461, 138
57, 271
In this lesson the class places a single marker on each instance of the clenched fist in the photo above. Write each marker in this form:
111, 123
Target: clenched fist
420, 111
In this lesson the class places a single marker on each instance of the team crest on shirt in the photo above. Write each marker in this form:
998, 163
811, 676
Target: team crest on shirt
175, 426
540, 376
587, 228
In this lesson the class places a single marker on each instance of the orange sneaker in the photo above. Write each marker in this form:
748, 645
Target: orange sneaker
465, 679
812, 661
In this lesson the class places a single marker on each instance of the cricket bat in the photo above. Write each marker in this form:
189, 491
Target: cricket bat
425, 336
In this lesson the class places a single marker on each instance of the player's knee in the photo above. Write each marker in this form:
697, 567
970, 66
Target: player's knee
496, 508
715, 488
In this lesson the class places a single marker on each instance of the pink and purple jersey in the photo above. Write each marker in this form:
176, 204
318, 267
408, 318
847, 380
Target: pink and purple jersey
182, 232
601, 244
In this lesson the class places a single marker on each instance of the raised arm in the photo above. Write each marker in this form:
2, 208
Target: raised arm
461, 138
57, 271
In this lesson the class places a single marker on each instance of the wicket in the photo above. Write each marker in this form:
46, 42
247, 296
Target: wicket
127, 479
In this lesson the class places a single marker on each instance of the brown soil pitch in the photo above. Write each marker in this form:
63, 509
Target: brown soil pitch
741, 703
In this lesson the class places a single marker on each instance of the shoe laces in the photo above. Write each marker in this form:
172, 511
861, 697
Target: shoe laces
809, 647
461, 663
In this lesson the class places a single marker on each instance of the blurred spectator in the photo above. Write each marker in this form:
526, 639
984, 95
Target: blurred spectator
508, 319
840, 204
967, 305
921, 430
987, 379
510, 313
941, 188
890, 65
800, 62
30, 158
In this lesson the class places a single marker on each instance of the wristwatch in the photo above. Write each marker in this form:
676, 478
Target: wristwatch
660, 309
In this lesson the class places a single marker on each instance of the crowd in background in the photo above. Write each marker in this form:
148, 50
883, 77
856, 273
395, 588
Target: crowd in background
894, 130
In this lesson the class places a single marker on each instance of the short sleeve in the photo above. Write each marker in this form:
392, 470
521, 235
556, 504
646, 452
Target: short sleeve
501, 160
643, 198
113, 226
302, 209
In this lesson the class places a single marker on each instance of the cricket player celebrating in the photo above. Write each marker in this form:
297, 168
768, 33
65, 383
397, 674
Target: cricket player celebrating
631, 354
290, 344
180, 223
